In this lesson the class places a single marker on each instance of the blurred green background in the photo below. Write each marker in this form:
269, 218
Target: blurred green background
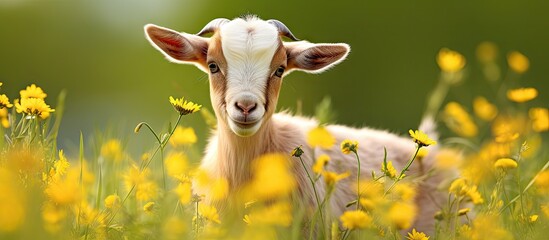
96, 50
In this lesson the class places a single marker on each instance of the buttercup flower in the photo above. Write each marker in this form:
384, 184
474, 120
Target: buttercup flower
518, 62
415, 235
355, 219
320, 163
33, 91
463, 211
459, 121
5, 101
149, 207
450, 61
348, 146
297, 152
183, 136
331, 178
320, 137
540, 119
112, 201
484, 109
4, 120
112, 150
505, 163
35, 107
401, 215
184, 107
487, 52
209, 213
521, 95
421, 138
389, 170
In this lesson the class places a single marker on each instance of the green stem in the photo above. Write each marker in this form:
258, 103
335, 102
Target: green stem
314, 189
163, 143
357, 182
403, 171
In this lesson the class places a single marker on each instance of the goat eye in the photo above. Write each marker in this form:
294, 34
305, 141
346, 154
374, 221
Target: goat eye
213, 67
279, 71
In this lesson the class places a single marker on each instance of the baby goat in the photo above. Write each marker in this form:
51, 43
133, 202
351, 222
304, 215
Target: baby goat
246, 61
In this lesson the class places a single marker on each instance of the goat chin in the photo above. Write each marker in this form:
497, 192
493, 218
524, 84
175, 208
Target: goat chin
228, 156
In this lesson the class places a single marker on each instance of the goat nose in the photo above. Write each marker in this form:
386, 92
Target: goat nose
246, 106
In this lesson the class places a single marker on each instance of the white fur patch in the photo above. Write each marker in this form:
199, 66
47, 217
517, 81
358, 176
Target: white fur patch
248, 46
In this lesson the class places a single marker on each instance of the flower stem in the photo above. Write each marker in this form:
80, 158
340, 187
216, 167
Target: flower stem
403, 170
357, 182
314, 189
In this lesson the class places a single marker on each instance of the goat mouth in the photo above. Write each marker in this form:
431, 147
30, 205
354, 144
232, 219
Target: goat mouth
244, 125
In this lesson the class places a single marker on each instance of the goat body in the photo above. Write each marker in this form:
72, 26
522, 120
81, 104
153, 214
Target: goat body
246, 60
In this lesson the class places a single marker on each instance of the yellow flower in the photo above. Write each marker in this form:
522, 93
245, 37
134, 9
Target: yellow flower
533, 218
174, 228
450, 61
447, 159
462, 188
176, 164
421, 138
389, 170
320, 137
61, 165
540, 119
13, 208
371, 194
415, 235
183, 191
183, 136
64, 192
542, 181
463, 211
208, 212
134, 177
184, 107
518, 62
355, 219
34, 107
4, 118
459, 121
320, 163
112, 201
484, 109
53, 216
219, 189
489, 227
149, 207
297, 152
348, 146
146, 191
401, 215
521, 95
422, 153
5, 101
331, 178
404, 191
273, 177
487, 52
112, 150
276, 214
32, 91
505, 163
506, 137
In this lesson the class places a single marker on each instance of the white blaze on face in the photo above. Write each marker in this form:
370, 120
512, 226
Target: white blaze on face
248, 46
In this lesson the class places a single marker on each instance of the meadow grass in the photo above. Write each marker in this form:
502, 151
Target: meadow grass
494, 155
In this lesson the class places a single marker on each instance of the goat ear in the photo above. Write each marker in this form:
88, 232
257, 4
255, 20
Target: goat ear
178, 47
314, 58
